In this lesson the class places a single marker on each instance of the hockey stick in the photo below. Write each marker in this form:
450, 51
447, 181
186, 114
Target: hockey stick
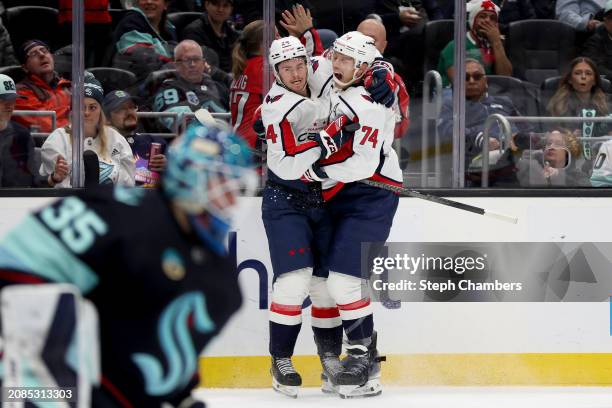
443, 201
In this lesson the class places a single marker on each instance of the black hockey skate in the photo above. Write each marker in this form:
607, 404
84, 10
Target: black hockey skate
361, 374
329, 354
285, 379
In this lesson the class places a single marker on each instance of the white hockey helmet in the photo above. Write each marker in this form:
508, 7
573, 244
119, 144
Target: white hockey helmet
358, 46
284, 49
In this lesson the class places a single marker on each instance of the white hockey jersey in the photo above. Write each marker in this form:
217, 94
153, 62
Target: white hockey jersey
290, 120
602, 168
369, 155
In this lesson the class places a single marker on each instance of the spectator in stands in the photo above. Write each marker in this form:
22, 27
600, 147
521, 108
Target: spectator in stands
42, 87
483, 42
145, 37
376, 30
121, 110
246, 92
214, 31
17, 164
479, 105
7, 54
516, 10
98, 28
599, 46
580, 94
580, 14
114, 152
193, 88
511, 11
555, 165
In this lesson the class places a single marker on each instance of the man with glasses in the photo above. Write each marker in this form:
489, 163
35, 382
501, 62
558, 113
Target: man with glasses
43, 89
479, 105
193, 88
121, 113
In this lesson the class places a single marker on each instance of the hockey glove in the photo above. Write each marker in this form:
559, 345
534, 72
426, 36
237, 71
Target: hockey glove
314, 173
335, 134
378, 81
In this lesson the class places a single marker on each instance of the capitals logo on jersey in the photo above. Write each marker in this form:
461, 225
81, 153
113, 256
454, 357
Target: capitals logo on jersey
315, 64
273, 99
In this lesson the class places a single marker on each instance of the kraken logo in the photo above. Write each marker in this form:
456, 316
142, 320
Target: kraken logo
175, 341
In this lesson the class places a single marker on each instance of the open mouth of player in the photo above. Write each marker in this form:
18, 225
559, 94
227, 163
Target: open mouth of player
338, 75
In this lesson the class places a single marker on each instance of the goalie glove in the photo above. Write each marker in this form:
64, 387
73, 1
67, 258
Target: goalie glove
378, 81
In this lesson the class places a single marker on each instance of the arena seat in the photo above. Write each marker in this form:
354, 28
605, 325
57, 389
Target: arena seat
524, 95
14, 71
182, 20
539, 49
438, 33
113, 79
27, 22
44, 3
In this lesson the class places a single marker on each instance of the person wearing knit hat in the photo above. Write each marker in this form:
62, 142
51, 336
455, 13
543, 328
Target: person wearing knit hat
113, 151
483, 42
42, 87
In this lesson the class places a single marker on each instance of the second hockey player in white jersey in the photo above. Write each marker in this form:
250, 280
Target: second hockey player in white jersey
297, 223
361, 213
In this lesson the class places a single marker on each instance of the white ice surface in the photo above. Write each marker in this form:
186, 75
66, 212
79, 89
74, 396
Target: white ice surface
419, 397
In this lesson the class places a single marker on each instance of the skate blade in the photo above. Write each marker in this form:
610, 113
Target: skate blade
371, 389
327, 387
287, 390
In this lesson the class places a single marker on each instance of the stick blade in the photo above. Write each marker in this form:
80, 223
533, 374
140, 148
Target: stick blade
501, 217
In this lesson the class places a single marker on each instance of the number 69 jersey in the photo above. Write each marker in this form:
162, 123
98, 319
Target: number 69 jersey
160, 293
369, 153
290, 121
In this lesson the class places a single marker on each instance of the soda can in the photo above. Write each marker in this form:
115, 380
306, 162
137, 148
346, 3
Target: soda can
154, 149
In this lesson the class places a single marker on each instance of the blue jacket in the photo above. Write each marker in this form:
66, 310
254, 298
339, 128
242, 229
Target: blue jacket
475, 115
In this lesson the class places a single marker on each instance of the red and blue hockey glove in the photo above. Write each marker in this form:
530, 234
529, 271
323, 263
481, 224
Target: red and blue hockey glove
378, 81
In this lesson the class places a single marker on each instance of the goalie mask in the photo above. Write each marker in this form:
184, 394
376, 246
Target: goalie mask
208, 167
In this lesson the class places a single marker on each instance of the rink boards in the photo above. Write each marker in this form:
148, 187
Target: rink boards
433, 343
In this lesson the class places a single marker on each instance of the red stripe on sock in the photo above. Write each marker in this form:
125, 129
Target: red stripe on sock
287, 310
325, 312
361, 303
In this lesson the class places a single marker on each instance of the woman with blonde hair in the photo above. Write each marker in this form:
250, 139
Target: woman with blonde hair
556, 165
113, 151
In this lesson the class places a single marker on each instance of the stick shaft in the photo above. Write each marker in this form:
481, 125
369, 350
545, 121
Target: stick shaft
441, 200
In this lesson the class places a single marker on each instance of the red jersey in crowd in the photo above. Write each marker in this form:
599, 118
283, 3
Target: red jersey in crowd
246, 94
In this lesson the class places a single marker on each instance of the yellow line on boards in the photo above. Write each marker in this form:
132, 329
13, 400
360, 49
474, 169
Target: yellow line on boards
429, 369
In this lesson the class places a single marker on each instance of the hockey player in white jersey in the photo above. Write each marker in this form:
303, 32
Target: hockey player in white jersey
297, 224
361, 213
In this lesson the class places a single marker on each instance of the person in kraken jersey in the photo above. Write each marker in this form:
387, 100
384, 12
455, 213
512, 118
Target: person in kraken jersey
153, 262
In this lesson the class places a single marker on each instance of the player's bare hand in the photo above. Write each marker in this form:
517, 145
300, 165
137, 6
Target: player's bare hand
61, 170
157, 162
296, 21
